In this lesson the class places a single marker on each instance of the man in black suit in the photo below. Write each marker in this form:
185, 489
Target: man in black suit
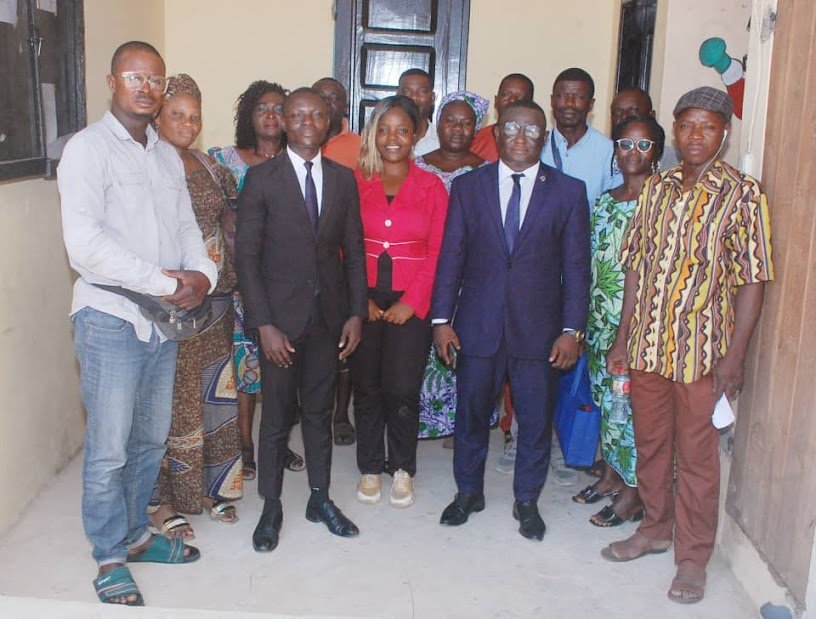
301, 270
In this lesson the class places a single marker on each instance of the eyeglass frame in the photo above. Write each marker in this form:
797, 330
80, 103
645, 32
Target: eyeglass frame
126, 75
634, 145
265, 108
523, 129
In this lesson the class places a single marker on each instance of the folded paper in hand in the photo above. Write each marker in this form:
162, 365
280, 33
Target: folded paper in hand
723, 415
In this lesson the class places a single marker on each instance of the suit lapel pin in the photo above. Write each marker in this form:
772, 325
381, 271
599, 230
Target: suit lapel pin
542, 178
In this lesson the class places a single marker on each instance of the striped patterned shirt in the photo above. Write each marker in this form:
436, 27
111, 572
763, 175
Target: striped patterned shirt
691, 251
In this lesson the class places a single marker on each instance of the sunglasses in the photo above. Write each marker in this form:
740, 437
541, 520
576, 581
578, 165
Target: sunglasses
627, 144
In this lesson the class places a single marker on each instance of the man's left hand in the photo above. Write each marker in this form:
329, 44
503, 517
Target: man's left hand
350, 337
727, 377
565, 352
191, 289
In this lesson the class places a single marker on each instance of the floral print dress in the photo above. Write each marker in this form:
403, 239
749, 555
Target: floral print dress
245, 350
609, 221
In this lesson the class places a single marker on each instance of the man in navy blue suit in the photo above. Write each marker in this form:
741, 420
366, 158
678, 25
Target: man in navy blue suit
511, 296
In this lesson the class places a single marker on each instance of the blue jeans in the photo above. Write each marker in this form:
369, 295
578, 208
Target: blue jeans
127, 390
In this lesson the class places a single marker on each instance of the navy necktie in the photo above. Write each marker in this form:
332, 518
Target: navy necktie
310, 196
512, 218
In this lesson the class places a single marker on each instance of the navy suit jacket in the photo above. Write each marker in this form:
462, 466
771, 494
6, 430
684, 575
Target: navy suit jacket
279, 261
526, 297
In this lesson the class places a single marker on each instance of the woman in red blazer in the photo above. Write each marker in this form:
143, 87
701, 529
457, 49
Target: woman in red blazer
403, 211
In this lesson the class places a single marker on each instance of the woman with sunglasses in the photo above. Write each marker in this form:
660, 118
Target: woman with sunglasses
639, 145
403, 211
259, 137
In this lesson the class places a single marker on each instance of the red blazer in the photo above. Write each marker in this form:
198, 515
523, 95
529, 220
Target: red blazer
410, 229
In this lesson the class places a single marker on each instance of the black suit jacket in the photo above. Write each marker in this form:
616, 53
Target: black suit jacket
279, 261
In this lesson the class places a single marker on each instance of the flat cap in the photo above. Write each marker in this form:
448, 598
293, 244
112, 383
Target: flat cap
705, 98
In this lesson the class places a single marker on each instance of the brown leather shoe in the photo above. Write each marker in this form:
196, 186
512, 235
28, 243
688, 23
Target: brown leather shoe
634, 547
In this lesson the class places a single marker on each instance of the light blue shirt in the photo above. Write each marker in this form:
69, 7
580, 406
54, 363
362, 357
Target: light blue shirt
589, 160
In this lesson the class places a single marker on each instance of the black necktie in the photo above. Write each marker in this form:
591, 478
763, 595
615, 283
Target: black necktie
512, 218
310, 196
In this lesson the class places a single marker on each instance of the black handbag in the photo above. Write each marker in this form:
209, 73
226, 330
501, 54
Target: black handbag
175, 323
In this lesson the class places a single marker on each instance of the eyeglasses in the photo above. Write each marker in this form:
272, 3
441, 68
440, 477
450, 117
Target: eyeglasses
511, 129
627, 144
134, 81
265, 108
299, 117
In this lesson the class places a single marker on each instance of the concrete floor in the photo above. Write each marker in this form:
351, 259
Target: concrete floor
404, 564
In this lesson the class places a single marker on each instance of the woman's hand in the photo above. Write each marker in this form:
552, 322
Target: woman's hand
398, 313
374, 312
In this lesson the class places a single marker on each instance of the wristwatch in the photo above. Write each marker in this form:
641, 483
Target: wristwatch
578, 335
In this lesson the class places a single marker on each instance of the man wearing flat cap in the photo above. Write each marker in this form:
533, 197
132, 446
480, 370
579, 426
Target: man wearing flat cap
697, 256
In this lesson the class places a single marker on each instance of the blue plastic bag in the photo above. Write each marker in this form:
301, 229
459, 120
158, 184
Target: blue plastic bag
577, 419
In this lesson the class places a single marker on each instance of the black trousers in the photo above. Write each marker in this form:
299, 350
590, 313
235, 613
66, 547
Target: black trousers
386, 373
313, 374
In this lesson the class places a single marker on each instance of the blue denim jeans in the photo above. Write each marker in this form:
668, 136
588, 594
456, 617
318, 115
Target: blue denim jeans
127, 390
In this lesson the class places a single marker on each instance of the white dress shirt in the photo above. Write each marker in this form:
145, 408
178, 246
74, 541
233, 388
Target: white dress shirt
506, 188
317, 175
126, 215
527, 183
428, 142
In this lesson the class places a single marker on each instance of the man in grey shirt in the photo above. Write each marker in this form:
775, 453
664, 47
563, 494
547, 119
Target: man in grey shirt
127, 221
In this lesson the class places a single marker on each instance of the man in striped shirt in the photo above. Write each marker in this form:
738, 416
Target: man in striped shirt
697, 254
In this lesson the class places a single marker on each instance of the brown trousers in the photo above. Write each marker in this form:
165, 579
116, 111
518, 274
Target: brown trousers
672, 417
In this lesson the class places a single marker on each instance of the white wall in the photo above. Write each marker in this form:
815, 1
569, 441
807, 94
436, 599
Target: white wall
541, 39
225, 46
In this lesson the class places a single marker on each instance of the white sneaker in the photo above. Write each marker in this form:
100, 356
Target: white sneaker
402, 489
507, 461
562, 474
368, 490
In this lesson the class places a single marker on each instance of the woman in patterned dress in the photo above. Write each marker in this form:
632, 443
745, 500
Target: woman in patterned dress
258, 138
460, 116
202, 466
639, 145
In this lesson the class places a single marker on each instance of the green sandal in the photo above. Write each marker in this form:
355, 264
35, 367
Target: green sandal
118, 583
163, 550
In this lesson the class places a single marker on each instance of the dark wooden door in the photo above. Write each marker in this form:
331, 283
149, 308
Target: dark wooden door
376, 40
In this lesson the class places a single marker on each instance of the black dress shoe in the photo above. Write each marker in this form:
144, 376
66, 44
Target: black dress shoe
531, 525
329, 514
265, 536
462, 507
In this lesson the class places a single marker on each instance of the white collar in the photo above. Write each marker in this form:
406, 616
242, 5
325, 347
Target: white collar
506, 172
297, 160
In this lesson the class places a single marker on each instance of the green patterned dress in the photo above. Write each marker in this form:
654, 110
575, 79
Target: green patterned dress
609, 221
